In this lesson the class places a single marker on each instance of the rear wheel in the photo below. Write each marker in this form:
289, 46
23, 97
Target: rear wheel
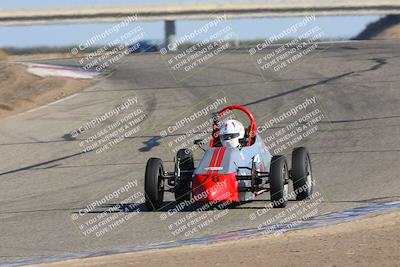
154, 184
279, 186
182, 186
301, 173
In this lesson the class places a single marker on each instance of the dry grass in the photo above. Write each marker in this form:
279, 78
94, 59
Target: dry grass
3, 56
20, 90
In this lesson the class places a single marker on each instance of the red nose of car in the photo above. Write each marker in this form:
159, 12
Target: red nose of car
215, 188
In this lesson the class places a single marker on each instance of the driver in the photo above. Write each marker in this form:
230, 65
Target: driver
230, 133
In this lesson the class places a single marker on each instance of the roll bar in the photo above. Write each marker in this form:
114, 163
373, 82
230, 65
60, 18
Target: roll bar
251, 130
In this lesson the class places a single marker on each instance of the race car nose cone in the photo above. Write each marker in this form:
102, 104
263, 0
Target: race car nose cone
215, 188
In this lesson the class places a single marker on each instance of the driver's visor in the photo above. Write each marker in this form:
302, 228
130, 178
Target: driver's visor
230, 136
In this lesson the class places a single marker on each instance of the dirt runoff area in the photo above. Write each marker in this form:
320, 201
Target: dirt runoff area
372, 241
21, 91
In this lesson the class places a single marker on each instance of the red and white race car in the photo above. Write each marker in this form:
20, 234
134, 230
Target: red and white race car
226, 174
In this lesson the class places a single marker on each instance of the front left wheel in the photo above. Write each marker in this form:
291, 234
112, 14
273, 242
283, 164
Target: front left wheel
154, 184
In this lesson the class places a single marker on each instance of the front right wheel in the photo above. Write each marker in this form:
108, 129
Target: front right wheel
279, 181
303, 182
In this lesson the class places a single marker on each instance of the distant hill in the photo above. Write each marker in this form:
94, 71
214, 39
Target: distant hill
387, 27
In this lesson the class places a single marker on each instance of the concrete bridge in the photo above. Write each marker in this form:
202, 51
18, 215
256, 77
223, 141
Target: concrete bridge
191, 11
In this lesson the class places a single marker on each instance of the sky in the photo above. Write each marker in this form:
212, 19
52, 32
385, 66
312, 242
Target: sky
340, 27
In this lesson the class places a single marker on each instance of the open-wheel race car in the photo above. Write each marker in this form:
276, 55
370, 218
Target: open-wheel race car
230, 174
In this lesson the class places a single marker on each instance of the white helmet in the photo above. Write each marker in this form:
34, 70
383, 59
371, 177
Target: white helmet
231, 132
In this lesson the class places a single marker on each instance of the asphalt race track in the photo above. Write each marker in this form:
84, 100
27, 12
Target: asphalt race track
45, 178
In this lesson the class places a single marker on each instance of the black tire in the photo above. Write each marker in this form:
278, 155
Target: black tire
279, 176
302, 173
183, 185
154, 184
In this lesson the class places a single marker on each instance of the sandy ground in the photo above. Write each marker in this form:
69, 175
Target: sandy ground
21, 91
372, 241
390, 33
3, 56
